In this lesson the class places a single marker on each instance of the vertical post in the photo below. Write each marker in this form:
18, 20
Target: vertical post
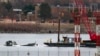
58, 30
58, 23
77, 35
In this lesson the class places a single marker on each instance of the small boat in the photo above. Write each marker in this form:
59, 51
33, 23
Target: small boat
10, 43
29, 44
13, 43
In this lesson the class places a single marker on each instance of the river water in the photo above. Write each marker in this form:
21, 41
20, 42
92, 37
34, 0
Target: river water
41, 49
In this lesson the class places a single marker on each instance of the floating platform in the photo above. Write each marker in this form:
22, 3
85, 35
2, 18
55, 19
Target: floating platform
69, 42
60, 44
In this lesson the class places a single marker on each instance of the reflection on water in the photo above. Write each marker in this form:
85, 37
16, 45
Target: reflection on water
44, 51
41, 49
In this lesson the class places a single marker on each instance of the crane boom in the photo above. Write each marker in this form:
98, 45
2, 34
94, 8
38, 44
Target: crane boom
82, 11
81, 14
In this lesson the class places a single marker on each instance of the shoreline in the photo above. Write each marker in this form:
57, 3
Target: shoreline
34, 33
37, 28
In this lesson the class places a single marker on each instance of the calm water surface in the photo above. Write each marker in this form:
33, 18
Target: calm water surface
41, 49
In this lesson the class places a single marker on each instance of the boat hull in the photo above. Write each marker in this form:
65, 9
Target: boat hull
70, 44
60, 44
30, 44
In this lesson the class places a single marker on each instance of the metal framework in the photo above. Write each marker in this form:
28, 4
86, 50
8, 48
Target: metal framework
80, 13
97, 15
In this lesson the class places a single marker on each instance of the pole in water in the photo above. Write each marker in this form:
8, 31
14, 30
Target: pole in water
59, 29
77, 36
77, 52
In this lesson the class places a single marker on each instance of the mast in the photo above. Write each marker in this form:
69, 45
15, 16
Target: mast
59, 29
58, 7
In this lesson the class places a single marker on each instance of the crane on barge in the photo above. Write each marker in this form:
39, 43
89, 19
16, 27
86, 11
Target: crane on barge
80, 13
